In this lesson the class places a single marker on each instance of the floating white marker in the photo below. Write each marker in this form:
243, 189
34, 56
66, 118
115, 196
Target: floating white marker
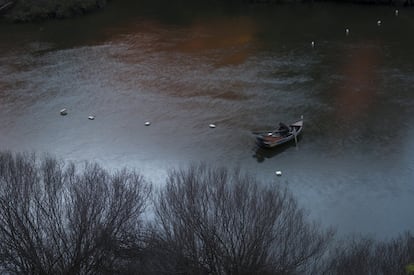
278, 173
212, 125
347, 31
63, 112
396, 12
91, 117
379, 22
313, 44
147, 123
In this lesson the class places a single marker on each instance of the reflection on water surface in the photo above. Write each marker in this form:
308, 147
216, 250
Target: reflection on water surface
241, 68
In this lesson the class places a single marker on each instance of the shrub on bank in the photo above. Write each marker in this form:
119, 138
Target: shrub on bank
364, 255
216, 221
57, 218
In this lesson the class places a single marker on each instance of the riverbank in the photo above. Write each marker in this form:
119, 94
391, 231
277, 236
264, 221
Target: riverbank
32, 10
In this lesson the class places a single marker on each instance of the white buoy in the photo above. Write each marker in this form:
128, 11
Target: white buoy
212, 125
396, 12
63, 112
278, 173
347, 31
91, 117
147, 123
313, 44
379, 22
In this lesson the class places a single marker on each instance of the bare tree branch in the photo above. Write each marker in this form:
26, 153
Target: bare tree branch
55, 220
216, 221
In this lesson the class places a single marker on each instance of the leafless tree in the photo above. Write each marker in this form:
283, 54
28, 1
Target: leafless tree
55, 219
366, 256
217, 221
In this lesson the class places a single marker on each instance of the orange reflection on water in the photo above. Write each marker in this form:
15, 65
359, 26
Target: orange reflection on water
232, 35
356, 92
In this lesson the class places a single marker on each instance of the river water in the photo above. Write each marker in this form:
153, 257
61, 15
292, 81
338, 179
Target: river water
242, 67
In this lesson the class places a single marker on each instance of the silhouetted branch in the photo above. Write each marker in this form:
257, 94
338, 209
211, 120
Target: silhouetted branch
220, 222
55, 220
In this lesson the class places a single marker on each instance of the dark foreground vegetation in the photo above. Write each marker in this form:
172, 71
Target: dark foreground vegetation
57, 218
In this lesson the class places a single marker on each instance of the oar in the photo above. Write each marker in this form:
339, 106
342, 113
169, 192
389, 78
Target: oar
295, 135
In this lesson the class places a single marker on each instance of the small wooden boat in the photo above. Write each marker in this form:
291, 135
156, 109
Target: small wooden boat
283, 134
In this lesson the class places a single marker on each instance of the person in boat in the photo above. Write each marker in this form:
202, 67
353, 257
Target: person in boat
283, 128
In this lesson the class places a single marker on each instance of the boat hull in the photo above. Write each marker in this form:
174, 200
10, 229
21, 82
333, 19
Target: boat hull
270, 139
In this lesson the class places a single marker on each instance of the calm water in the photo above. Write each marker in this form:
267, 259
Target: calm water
242, 68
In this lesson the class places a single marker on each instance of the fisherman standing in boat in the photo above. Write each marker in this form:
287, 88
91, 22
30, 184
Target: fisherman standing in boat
283, 129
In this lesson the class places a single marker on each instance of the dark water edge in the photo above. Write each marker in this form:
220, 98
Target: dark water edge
34, 11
